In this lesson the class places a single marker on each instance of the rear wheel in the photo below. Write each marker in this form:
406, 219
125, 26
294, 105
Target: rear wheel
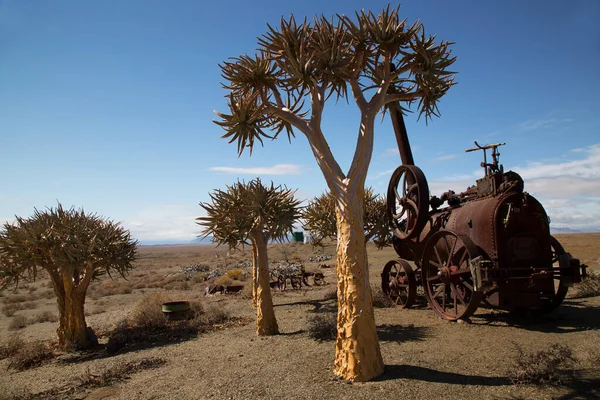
398, 283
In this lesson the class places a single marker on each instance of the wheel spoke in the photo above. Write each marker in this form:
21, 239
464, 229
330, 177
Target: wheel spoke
452, 251
466, 284
463, 257
437, 254
455, 295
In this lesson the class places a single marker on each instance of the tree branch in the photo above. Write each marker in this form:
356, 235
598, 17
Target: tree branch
358, 94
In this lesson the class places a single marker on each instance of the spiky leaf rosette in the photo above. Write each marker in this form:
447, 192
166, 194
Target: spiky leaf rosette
298, 66
64, 241
243, 209
319, 218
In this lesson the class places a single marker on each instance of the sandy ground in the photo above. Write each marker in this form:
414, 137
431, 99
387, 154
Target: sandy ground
425, 356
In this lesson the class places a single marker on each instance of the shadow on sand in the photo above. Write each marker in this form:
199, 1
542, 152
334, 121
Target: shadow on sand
431, 375
573, 315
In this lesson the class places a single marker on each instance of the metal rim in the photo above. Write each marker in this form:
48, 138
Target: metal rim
398, 283
446, 275
562, 289
408, 209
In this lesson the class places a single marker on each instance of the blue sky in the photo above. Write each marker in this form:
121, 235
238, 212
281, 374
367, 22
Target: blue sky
108, 105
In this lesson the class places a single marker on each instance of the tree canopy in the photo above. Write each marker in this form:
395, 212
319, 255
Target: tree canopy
242, 209
319, 218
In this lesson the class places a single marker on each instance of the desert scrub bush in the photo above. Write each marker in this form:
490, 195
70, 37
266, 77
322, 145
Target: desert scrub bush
29, 355
10, 309
588, 287
236, 274
214, 315
330, 294
111, 288
45, 316
11, 347
380, 300
550, 365
147, 312
322, 327
18, 322
223, 280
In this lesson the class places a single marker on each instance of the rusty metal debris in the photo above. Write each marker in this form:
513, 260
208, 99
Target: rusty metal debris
489, 244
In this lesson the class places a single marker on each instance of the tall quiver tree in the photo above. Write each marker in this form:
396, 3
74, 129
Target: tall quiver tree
385, 62
252, 212
73, 248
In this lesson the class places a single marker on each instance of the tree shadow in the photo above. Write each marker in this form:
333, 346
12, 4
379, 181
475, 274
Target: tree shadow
414, 372
319, 306
584, 385
572, 316
399, 334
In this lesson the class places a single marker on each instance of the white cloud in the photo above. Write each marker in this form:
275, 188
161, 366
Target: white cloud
542, 123
444, 158
392, 151
165, 223
569, 190
279, 169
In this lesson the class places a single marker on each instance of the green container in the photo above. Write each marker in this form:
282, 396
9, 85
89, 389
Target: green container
299, 237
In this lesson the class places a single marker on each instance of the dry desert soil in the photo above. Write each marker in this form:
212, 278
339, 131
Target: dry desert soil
425, 356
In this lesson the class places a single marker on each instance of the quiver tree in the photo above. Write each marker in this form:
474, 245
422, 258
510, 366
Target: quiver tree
252, 212
73, 248
384, 62
319, 218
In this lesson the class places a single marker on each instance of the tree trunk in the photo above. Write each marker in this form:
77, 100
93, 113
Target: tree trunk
254, 282
357, 352
266, 324
72, 329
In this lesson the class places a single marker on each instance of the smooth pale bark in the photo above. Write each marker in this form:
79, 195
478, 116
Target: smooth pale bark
357, 352
266, 324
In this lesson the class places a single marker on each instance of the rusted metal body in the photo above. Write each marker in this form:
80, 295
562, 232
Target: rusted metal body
490, 244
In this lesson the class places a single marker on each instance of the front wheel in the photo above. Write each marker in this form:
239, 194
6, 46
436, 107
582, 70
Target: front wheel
398, 283
446, 275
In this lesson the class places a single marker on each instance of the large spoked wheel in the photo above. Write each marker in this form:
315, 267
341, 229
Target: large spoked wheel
398, 283
408, 201
446, 275
561, 288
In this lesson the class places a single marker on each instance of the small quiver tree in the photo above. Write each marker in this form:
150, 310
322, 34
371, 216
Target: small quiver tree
252, 212
380, 62
73, 248
319, 219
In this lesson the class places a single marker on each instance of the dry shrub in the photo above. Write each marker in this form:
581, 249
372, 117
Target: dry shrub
29, 355
237, 274
46, 316
11, 347
15, 298
200, 277
214, 315
111, 288
380, 300
223, 280
246, 292
331, 294
10, 309
550, 365
119, 372
148, 311
18, 322
322, 327
588, 287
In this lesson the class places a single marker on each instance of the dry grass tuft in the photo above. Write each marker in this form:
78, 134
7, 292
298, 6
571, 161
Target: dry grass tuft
18, 322
380, 300
588, 287
551, 365
45, 316
237, 274
322, 327
11, 347
110, 288
224, 280
29, 355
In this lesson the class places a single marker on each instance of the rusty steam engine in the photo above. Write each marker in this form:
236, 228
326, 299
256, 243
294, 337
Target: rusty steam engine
489, 245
